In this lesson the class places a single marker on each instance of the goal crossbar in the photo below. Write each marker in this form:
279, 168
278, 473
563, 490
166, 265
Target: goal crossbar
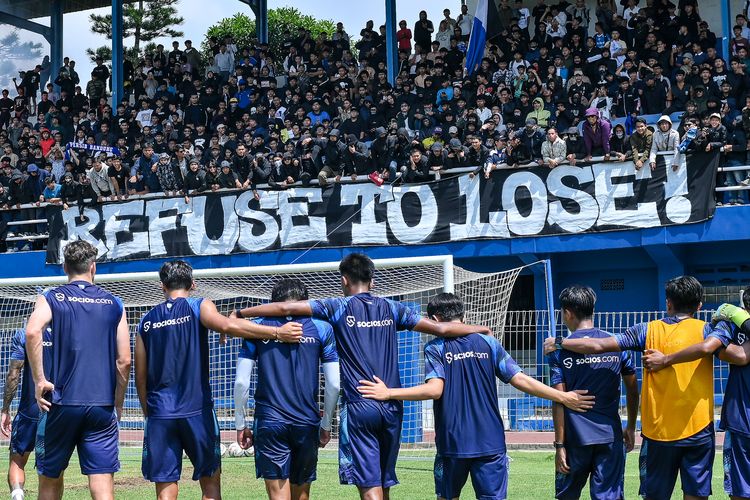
433, 260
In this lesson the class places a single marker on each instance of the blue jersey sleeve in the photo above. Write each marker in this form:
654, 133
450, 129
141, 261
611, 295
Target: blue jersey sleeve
329, 310
195, 306
634, 338
627, 363
327, 340
505, 366
18, 346
406, 319
721, 331
555, 370
433, 360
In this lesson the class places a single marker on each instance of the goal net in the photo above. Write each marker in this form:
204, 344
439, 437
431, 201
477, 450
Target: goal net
413, 281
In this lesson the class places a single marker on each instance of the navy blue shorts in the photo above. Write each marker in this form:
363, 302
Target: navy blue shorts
23, 435
369, 440
165, 439
286, 451
660, 463
603, 463
489, 476
737, 464
92, 429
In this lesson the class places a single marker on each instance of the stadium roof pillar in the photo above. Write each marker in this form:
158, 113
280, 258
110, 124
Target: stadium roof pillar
55, 38
260, 9
390, 41
118, 54
726, 25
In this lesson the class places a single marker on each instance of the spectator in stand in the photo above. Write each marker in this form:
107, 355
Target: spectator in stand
403, 35
465, 22
596, 135
101, 182
641, 142
575, 147
619, 144
51, 193
418, 169
665, 140
423, 30
554, 151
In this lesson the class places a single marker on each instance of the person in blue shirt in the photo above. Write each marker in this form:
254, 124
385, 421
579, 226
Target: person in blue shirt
460, 374
591, 446
287, 427
365, 327
735, 412
89, 370
22, 431
172, 380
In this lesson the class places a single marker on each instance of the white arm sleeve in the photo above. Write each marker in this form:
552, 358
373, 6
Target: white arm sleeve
242, 390
333, 384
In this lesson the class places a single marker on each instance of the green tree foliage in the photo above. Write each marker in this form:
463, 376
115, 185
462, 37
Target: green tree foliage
143, 21
285, 19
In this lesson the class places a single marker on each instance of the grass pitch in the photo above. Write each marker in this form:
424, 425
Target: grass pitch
531, 478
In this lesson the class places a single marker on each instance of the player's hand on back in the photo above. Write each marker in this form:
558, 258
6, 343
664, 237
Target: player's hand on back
374, 390
42, 388
579, 401
5, 424
653, 360
245, 438
290, 332
549, 345
325, 437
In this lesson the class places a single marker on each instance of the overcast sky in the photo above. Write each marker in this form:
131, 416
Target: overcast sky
78, 36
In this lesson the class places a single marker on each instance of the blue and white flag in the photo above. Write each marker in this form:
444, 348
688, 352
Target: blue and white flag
475, 52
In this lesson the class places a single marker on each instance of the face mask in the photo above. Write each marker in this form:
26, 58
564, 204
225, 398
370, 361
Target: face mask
277, 163
619, 135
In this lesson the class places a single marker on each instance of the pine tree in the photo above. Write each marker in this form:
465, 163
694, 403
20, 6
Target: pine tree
143, 21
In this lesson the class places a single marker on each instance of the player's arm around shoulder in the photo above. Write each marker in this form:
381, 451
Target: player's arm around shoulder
278, 309
592, 345
714, 340
211, 318
448, 329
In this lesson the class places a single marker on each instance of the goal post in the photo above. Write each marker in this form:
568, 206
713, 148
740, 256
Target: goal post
411, 280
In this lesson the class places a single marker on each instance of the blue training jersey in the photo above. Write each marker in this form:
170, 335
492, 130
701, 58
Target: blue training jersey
27, 405
735, 412
288, 374
177, 356
467, 417
366, 329
600, 374
84, 351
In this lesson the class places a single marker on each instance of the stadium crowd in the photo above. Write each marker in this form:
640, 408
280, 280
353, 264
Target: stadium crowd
559, 83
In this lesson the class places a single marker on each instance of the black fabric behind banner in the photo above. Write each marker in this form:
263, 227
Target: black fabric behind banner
511, 203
